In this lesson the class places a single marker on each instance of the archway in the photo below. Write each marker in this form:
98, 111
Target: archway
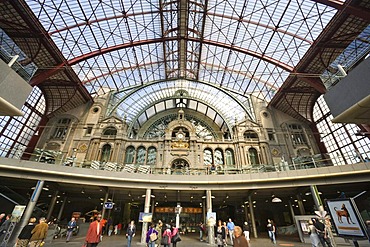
180, 166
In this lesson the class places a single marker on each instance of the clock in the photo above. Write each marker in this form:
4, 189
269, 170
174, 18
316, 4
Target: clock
180, 136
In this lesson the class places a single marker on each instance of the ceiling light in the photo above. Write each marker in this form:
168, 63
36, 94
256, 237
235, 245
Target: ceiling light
82, 191
276, 199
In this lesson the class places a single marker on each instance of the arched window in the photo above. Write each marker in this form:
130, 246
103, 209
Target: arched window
110, 131
105, 154
207, 157
250, 135
219, 157
229, 161
130, 155
253, 156
140, 157
152, 156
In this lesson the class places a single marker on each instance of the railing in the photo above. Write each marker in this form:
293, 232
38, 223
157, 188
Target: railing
61, 159
23, 72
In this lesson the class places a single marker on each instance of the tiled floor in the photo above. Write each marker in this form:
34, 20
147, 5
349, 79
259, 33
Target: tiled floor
190, 240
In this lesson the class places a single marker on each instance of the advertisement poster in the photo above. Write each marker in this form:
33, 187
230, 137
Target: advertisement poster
17, 213
145, 217
211, 218
346, 219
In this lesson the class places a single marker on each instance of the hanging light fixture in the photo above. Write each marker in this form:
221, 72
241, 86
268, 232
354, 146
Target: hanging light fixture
276, 199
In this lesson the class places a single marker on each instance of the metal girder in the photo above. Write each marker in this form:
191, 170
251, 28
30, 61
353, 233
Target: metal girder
43, 76
347, 8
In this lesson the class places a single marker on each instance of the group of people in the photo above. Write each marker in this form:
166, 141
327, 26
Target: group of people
33, 235
318, 233
238, 236
162, 234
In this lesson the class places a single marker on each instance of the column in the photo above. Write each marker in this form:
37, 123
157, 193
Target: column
146, 210
253, 221
300, 205
61, 209
291, 209
316, 198
27, 213
105, 200
211, 230
52, 205
127, 214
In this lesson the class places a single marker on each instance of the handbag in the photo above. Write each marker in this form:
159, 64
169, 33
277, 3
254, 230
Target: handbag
164, 240
176, 238
153, 237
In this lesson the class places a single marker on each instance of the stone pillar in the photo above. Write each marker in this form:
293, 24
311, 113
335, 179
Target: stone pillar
300, 205
27, 213
253, 221
211, 230
52, 205
146, 210
61, 209
291, 209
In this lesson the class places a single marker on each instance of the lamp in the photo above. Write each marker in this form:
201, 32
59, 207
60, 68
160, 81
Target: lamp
276, 199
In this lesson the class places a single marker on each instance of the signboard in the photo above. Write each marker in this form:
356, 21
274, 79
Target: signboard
17, 213
211, 218
108, 205
145, 217
346, 218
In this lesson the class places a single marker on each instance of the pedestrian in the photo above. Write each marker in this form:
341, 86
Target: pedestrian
151, 236
230, 228
271, 229
166, 236
313, 234
119, 228
130, 233
158, 228
220, 233
25, 235
226, 232
72, 224
246, 231
2, 218
322, 233
239, 240
4, 227
95, 232
201, 231
175, 236
39, 233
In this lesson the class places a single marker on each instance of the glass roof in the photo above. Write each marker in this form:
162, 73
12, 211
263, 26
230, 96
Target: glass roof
138, 105
244, 47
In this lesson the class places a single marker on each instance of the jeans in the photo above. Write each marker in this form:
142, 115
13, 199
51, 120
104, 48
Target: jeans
69, 234
201, 235
151, 244
231, 234
272, 236
129, 238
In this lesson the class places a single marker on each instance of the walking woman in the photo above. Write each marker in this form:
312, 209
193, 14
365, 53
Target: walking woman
220, 234
313, 234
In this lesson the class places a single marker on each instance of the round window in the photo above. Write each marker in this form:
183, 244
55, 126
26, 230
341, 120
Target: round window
95, 109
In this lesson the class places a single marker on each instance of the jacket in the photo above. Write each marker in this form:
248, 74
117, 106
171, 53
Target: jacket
39, 232
93, 236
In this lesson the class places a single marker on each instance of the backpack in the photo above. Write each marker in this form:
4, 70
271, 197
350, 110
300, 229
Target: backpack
164, 240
